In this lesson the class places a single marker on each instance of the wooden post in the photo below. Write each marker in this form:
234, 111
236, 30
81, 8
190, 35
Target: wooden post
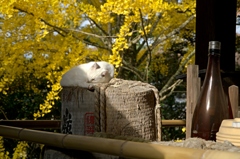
193, 89
233, 96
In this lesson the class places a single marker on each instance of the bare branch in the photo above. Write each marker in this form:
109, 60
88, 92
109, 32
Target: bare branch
98, 26
4, 114
88, 42
180, 68
63, 32
93, 30
133, 70
90, 34
171, 88
134, 41
149, 50
175, 31
110, 34
160, 40
154, 26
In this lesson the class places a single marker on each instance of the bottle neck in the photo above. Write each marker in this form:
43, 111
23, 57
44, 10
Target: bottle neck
213, 66
215, 52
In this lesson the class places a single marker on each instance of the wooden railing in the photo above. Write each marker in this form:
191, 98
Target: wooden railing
56, 124
33, 124
120, 148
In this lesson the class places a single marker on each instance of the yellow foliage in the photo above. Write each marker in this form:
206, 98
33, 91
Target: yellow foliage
3, 154
20, 152
184, 129
160, 65
34, 48
37, 38
191, 60
40, 40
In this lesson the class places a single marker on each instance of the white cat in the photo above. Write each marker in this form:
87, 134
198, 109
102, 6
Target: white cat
85, 75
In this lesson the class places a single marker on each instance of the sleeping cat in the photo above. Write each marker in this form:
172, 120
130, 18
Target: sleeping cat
85, 75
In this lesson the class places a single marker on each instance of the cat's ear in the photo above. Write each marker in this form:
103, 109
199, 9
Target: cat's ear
95, 66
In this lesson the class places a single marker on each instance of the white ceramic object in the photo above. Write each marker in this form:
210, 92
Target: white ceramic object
229, 131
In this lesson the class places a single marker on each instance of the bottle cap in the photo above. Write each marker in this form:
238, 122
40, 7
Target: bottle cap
215, 45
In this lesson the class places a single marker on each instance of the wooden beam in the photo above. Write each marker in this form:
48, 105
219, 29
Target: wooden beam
216, 20
33, 124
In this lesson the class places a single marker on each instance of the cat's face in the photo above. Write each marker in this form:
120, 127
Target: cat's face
99, 76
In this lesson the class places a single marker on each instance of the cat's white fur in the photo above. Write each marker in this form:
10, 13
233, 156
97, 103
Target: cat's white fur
85, 75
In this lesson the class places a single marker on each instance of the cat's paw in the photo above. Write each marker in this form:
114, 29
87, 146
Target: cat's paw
91, 88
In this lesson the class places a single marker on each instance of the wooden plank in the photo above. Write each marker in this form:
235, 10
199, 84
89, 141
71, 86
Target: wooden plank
173, 123
233, 97
193, 89
33, 124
